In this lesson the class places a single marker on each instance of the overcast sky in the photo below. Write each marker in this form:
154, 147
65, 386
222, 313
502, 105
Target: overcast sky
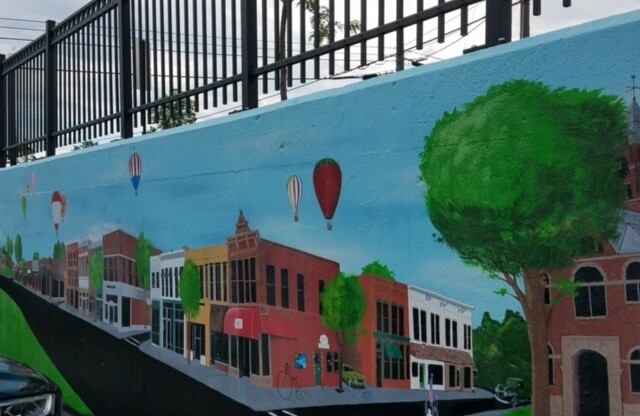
554, 17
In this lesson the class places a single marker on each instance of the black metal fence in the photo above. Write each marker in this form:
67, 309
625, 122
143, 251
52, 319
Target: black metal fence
115, 65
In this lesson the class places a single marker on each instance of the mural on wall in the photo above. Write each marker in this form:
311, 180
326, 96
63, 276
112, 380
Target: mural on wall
377, 291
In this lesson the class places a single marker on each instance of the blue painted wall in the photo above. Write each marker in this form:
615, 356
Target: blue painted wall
196, 178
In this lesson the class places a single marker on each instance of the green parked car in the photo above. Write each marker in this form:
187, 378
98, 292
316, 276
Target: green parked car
512, 393
351, 378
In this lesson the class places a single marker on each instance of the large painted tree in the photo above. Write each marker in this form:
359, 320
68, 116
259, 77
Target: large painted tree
96, 272
343, 308
525, 180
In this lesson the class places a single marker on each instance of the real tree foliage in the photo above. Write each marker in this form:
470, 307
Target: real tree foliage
143, 252
524, 180
96, 272
343, 308
60, 252
324, 31
324, 18
84, 145
190, 295
501, 350
174, 114
378, 269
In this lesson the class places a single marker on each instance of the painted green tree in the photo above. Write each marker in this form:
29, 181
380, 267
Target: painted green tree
343, 308
502, 350
18, 249
8, 250
143, 253
525, 180
379, 269
96, 272
60, 252
190, 295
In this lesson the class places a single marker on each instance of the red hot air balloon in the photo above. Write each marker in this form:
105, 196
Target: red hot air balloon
56, 209
327, 182
294, 188
135, 170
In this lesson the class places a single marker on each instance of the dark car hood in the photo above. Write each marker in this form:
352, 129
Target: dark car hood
18, 380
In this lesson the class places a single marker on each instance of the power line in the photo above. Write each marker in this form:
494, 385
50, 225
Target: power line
22, 20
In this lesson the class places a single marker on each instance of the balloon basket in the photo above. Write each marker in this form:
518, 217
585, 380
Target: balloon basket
329, 226
295, 218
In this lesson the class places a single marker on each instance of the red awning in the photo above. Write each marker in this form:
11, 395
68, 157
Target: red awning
248, 323
243, 322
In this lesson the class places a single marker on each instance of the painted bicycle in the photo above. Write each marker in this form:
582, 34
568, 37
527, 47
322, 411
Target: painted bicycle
287, 384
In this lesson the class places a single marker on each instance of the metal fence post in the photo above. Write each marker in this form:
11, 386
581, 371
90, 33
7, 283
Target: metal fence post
50, 91
498, 23
126, 101
249, 54
3, 118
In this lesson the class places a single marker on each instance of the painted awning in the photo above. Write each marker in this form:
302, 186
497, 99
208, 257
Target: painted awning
243, 322
447, 355
248, 323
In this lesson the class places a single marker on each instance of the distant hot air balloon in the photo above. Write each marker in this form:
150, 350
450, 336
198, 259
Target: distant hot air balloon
294, 189
34, 181
135, 170
63, 206
327, 182
56, 209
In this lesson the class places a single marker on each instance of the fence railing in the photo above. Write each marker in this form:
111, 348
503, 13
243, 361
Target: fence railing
113, 67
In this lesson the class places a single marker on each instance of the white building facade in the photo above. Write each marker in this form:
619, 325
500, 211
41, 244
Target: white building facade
441, 349
167, 317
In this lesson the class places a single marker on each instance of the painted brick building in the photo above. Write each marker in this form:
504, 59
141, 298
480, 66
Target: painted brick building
594, 346
275, 315
124, 302
381, 354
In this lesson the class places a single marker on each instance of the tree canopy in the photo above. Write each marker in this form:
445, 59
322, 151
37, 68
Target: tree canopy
378, 269
502, 350
96, 271
143, 252
525, 177
343, 306
18, 249
190, 293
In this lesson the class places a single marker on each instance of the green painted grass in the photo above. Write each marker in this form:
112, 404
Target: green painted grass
17, 341
522, 412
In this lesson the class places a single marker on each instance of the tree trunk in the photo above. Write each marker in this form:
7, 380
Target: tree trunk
536, 315
281, 52
187, 342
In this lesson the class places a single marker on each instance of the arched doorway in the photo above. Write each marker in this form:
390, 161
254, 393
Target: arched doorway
592, 395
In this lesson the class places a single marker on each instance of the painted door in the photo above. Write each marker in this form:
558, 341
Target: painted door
317, 368
379, 365
593, 385
422, 369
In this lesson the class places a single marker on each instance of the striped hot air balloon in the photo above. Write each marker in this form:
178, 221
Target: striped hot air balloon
135, 170
294, 188
56, 209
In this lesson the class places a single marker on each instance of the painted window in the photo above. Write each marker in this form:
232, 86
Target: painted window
547, 290
284, 287
416, 324
467, 337
333, 362
454, 333
300, 292
271, 285
447, 332
632, 288
551, 375
634, 370
437, 372
435, 329
423, 326
591, 300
